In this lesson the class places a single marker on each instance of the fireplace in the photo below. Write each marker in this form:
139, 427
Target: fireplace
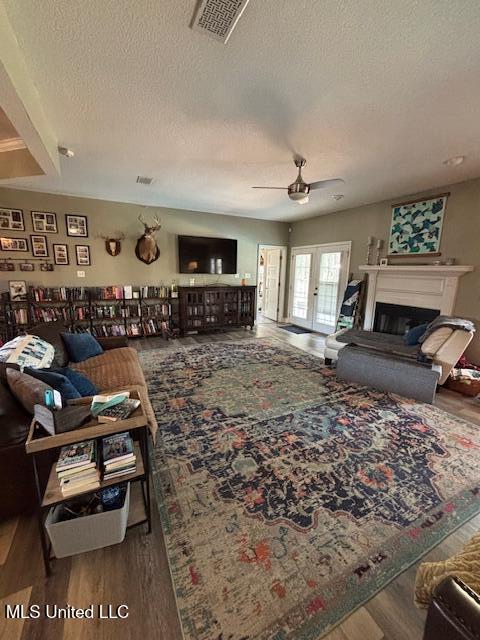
430, 288
399, 318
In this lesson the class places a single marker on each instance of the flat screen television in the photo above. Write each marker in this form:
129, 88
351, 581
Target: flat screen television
207, 255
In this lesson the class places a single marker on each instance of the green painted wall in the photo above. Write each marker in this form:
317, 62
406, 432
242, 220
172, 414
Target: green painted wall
460, 237
106, 217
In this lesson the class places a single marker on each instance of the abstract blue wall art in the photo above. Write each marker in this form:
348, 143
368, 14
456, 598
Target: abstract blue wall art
417, 227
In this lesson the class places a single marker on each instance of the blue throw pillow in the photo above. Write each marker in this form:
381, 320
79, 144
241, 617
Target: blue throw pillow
80, 381
56, 381
81, 346
412, 337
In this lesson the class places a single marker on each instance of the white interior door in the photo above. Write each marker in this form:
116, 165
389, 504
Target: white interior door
272, 283
301, 290
318, 281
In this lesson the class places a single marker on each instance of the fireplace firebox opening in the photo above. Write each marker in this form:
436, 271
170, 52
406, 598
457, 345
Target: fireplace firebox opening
397, 319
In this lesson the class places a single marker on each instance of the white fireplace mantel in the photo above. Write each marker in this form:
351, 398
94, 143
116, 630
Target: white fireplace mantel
425, 286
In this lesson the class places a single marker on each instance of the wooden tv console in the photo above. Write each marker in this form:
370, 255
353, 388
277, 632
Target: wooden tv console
216, 307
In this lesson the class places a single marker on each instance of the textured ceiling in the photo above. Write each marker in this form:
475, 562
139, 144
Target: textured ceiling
378, 92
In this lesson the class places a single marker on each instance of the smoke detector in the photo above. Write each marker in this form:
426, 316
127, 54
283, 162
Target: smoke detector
144, 180
218, 18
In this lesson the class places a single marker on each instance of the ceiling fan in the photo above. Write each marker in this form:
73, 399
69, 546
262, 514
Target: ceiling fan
299, 190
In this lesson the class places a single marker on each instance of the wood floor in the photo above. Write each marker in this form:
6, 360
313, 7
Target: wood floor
136, 572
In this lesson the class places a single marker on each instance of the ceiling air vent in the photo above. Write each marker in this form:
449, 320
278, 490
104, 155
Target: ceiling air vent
144, 180
217, 18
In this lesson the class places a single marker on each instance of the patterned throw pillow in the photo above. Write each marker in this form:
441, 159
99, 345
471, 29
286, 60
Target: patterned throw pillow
28, 391
28, 351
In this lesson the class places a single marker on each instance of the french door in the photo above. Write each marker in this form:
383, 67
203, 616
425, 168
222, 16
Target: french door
319, 276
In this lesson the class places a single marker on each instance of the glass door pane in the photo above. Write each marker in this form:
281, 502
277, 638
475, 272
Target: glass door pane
301, 299
330, 284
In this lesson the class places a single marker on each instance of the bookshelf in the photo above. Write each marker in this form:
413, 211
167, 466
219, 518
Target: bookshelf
216, 307
135, 312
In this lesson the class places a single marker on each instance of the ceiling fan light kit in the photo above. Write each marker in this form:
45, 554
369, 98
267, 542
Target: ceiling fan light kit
299, 190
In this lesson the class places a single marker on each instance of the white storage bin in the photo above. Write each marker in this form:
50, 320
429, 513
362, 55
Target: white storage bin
89, 532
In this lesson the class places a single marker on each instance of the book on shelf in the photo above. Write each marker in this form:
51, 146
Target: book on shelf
149, 291
120, 411
134, 329
76, 455
77, 479
67, 473
79, 294
77, 468
113, 292
71, 490
49, 294
102, 402
118, 455
108, 330
118, 446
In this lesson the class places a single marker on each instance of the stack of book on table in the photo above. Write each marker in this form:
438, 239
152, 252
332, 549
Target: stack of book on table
118, 406
118, 456
77, 468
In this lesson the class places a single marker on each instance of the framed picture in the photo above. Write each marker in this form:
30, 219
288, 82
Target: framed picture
83, 255
416, 228
11, 220
27, 266
60, 254
76, 225
7, 266
39, 246
18, 290
44, 222
14, 244
47, 266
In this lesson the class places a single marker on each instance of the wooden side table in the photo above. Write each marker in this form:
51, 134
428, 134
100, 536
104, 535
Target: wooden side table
38, 443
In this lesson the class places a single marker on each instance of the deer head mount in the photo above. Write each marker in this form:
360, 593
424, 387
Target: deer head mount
113, 243
147, 250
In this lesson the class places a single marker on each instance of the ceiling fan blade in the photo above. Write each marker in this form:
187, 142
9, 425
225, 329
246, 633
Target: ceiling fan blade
283, 188
324, 184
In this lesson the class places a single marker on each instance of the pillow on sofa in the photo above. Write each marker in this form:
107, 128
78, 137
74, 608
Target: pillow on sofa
57, 381
412, 337
51, 333
82, 384
28, 351
28, 390
81, 346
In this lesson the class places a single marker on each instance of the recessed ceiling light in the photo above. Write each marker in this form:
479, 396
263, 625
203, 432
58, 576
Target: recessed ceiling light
68, 153
454, 162
337, 196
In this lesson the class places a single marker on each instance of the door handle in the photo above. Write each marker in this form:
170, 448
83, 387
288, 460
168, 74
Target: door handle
315, 294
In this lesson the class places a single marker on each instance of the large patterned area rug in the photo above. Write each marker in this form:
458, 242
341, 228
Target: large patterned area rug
289, 498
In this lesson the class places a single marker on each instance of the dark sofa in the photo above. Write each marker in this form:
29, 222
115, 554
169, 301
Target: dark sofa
17, 488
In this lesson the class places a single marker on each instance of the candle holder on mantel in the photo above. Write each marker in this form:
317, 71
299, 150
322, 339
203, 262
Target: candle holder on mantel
370, 243
379, 248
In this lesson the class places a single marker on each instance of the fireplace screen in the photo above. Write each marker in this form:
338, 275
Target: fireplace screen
397, 319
